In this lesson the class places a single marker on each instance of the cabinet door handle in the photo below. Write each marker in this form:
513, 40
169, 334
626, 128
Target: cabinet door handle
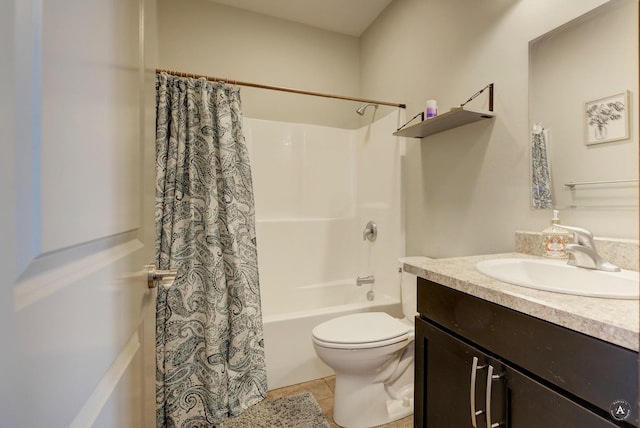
472, 392
487, 398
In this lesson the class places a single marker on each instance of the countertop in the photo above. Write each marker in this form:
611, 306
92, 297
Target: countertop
612, 320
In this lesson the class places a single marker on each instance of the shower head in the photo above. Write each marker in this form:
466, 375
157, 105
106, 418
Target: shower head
361, 110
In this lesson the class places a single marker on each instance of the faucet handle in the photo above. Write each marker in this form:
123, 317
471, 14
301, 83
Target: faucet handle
370, 231
580, 236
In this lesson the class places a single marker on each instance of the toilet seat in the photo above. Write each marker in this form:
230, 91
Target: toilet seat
362, 331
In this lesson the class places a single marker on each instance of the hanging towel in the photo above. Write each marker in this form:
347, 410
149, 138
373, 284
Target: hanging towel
540, 177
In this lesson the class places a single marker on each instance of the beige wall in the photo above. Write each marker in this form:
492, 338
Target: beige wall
467, 190
202, 37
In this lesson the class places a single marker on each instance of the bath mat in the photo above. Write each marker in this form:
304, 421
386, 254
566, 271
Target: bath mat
295, 411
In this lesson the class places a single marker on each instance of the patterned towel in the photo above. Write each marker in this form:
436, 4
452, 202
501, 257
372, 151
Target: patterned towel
540, 176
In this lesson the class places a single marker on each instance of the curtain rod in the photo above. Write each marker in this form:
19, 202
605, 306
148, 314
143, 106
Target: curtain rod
278, 88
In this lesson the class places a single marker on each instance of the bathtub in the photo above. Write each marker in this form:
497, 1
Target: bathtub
288, 321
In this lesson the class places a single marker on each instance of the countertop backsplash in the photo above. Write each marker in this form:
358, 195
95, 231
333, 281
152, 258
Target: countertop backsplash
621, 252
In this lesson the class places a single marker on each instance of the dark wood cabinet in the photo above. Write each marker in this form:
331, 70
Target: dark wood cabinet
552, 379
453, 384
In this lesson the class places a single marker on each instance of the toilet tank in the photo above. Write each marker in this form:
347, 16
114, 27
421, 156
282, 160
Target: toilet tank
409, 289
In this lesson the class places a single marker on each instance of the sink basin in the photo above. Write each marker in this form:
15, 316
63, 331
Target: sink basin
557, 276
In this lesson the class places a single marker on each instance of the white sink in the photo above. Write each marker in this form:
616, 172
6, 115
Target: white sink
557, 276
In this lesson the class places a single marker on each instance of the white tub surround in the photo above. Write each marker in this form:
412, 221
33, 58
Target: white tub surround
614, 321
316, 187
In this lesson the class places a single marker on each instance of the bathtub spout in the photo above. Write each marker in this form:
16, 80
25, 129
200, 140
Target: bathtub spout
364, 280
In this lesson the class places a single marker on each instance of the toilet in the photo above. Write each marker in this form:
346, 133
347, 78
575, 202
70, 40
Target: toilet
372, 356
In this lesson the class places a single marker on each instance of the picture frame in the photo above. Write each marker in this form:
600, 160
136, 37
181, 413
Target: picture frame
607, 119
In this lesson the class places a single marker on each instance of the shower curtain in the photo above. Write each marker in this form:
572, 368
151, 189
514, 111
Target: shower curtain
209, 342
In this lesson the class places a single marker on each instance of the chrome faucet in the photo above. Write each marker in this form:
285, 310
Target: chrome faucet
584, 251
364, 280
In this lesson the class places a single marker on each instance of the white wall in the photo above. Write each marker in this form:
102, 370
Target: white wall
468, 189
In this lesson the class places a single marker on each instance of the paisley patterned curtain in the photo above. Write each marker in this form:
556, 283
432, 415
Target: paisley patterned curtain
209, 340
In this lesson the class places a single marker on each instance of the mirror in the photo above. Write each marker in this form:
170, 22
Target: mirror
583, 89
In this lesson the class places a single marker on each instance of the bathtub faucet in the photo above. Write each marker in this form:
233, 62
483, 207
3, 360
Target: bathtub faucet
364, 280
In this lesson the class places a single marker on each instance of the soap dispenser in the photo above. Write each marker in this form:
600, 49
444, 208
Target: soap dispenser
555, 239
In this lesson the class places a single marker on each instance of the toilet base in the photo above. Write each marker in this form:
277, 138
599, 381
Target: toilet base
399, 409
358, 405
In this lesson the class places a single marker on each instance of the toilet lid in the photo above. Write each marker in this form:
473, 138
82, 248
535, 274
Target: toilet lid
358, 328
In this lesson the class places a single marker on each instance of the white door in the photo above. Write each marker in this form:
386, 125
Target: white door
77, 329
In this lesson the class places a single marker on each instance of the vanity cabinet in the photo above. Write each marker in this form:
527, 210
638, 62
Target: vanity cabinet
479, 364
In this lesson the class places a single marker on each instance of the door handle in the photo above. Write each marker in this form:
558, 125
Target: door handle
490, 379
472, 392
159, 276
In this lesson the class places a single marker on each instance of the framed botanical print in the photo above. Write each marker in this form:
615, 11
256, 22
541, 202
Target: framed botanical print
607, 119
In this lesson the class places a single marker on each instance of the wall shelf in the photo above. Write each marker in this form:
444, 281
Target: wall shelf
456, 117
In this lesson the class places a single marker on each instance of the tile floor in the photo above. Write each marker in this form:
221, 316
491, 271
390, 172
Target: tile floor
322, 390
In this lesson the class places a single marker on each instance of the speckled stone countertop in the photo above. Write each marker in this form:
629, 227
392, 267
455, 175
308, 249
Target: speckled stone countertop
614, 321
